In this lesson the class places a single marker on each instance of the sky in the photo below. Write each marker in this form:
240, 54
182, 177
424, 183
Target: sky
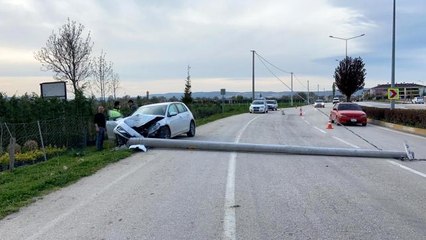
152, 43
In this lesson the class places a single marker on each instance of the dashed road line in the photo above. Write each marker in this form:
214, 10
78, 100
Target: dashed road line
407, 168
345, 142
319, 129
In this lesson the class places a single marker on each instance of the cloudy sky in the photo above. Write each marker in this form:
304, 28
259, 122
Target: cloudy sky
151, 43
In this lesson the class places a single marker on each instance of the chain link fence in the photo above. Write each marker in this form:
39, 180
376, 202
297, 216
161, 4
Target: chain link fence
40, 139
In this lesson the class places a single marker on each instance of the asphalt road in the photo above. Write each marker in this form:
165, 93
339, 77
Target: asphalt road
189, 194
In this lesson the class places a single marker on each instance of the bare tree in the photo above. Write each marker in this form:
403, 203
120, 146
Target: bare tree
102, 74
114, 84
67, 54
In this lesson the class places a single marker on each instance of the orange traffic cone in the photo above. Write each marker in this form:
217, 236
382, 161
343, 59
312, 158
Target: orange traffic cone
301, 113
329, 125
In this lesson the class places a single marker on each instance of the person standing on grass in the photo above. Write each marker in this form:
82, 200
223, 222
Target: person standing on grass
115, 113
100, 125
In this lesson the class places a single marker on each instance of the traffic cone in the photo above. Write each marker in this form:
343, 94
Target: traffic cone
329, 125
301, 113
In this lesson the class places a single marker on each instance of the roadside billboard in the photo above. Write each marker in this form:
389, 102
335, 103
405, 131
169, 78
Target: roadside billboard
56, 89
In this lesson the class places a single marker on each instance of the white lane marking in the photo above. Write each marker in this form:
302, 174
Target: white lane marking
320, 130
229, 225
395, 131
407, 168
306, 122
343, 141
87, 200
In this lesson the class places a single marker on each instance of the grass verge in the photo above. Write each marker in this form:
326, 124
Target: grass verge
21, 186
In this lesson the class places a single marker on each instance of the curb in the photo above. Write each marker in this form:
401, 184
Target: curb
402, 128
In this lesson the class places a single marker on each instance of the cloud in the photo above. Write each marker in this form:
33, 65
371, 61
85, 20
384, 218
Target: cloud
152, 42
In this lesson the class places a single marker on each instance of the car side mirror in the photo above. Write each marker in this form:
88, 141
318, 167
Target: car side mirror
171, 114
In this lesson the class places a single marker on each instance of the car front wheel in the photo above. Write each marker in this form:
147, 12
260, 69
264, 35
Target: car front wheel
191, 131
164, 132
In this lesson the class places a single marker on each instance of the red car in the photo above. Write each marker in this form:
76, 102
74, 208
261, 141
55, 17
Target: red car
348, 113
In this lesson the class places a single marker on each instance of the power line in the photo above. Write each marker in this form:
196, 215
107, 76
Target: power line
273, 73
260, 56
262, 61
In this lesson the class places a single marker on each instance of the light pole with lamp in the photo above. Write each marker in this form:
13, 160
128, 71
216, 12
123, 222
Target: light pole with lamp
346, 41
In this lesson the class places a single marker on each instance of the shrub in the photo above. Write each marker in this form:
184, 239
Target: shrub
407, 117
17, 148
30, 145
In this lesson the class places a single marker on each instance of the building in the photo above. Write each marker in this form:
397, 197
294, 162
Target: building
406, 90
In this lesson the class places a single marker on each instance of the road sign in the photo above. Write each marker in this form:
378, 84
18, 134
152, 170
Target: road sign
393, 93
222, 91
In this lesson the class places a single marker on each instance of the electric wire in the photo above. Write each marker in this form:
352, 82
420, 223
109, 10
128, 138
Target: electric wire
261, 60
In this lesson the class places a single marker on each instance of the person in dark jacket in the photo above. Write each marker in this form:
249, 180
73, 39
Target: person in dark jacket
133, 107
100, 125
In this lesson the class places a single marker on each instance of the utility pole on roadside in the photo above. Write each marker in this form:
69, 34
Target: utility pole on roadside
291, 96
252, 76
308, 92
392, 105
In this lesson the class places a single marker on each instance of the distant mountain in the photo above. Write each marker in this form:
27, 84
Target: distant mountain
268, 94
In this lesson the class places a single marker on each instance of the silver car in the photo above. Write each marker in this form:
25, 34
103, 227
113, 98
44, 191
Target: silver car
258, 106
161, 120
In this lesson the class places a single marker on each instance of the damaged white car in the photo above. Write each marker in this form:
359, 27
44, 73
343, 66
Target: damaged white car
160, 120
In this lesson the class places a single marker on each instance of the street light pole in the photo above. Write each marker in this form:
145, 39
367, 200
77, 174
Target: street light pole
392, 105
346, 41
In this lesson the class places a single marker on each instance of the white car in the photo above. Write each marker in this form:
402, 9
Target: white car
418, 100
258, 106
161, 120
272, 105
319, 103
336, 100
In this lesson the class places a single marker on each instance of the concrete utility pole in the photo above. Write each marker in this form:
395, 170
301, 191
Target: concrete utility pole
291, 96
392, 105
252, 76
308, 92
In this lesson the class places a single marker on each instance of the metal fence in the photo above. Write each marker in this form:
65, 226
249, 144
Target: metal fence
61, 133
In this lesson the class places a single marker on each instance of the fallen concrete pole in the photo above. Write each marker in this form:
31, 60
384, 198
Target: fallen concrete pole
265, 148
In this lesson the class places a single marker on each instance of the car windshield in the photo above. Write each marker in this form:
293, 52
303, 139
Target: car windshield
349, 107
258, 102
319, 101
152, 110
271, 101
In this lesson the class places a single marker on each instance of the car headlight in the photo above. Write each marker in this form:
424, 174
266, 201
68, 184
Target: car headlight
120, 129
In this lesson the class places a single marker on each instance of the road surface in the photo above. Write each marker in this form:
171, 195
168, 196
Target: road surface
189, 194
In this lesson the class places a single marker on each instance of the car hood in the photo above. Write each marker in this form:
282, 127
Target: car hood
140, 120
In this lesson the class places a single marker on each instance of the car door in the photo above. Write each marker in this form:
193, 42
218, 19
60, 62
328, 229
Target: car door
185, 117
174, 120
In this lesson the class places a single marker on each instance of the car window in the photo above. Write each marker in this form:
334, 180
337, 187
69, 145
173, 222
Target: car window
271, 101
258, 102
172, 109
152, 110
349, 107
181, 107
